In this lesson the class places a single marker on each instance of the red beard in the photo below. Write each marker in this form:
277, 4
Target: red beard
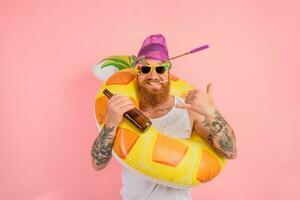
150, 97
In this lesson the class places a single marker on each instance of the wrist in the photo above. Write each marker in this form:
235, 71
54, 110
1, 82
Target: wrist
111, 124
210, 112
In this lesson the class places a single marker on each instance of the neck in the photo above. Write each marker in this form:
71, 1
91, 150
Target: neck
163, 105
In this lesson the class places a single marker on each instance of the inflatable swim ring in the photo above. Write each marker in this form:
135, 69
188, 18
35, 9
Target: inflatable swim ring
176, 162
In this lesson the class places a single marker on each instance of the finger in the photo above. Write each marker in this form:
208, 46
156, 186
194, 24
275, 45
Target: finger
190, 101
126, 100
192, 95
190, 98
184, 106
123, 102
126, 105
126, 108
120, 99
115, 97
209, 88
192, 92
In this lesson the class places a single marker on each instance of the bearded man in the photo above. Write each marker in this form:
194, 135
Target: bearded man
170, 115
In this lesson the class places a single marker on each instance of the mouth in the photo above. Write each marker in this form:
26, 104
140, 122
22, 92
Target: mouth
153, 83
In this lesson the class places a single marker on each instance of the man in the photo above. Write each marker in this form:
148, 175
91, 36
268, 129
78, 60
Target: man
170, 115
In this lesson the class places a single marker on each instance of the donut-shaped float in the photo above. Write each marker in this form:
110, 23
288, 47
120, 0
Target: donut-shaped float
176, 162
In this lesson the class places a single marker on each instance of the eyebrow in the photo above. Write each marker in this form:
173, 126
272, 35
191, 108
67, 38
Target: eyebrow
155, 64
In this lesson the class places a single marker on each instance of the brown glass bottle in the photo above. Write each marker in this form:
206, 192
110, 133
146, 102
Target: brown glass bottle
136, 117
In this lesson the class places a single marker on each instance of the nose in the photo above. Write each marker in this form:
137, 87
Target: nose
153, 74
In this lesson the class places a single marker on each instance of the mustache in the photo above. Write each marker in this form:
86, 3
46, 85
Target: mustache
163, 81
155, 81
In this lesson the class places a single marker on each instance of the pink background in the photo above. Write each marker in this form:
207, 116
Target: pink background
47, 52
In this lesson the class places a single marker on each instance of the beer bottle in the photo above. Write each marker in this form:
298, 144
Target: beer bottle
136, 117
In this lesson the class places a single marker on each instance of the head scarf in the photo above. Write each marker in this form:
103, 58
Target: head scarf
154, 47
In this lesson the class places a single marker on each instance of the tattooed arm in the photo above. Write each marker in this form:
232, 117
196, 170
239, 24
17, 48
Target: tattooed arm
218, 133
101, 151
102, 147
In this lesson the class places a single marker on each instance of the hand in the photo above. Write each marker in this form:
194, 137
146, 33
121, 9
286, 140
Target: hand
199, 101
117, 105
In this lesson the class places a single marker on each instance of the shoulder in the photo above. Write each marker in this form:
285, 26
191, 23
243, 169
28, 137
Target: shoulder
179, 99
195, 118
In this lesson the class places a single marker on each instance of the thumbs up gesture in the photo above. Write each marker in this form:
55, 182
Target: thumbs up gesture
199, 101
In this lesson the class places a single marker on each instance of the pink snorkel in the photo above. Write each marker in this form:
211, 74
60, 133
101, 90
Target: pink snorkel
192, 51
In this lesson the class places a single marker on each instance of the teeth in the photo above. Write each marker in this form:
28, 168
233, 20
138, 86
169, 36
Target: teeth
152, 83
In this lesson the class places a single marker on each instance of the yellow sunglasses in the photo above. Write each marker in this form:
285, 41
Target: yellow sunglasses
145, 68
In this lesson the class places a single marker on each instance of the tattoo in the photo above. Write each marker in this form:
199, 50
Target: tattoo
101, 150
219, 135
165, 109
225, 141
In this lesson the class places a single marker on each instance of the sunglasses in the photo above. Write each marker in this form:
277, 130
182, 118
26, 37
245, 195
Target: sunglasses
160, 68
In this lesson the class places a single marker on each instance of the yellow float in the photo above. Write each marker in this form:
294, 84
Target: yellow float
180, 163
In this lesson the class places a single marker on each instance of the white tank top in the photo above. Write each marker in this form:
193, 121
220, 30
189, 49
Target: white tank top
175, 123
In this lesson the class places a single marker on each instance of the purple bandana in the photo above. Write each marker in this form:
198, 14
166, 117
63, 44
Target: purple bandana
154, 47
